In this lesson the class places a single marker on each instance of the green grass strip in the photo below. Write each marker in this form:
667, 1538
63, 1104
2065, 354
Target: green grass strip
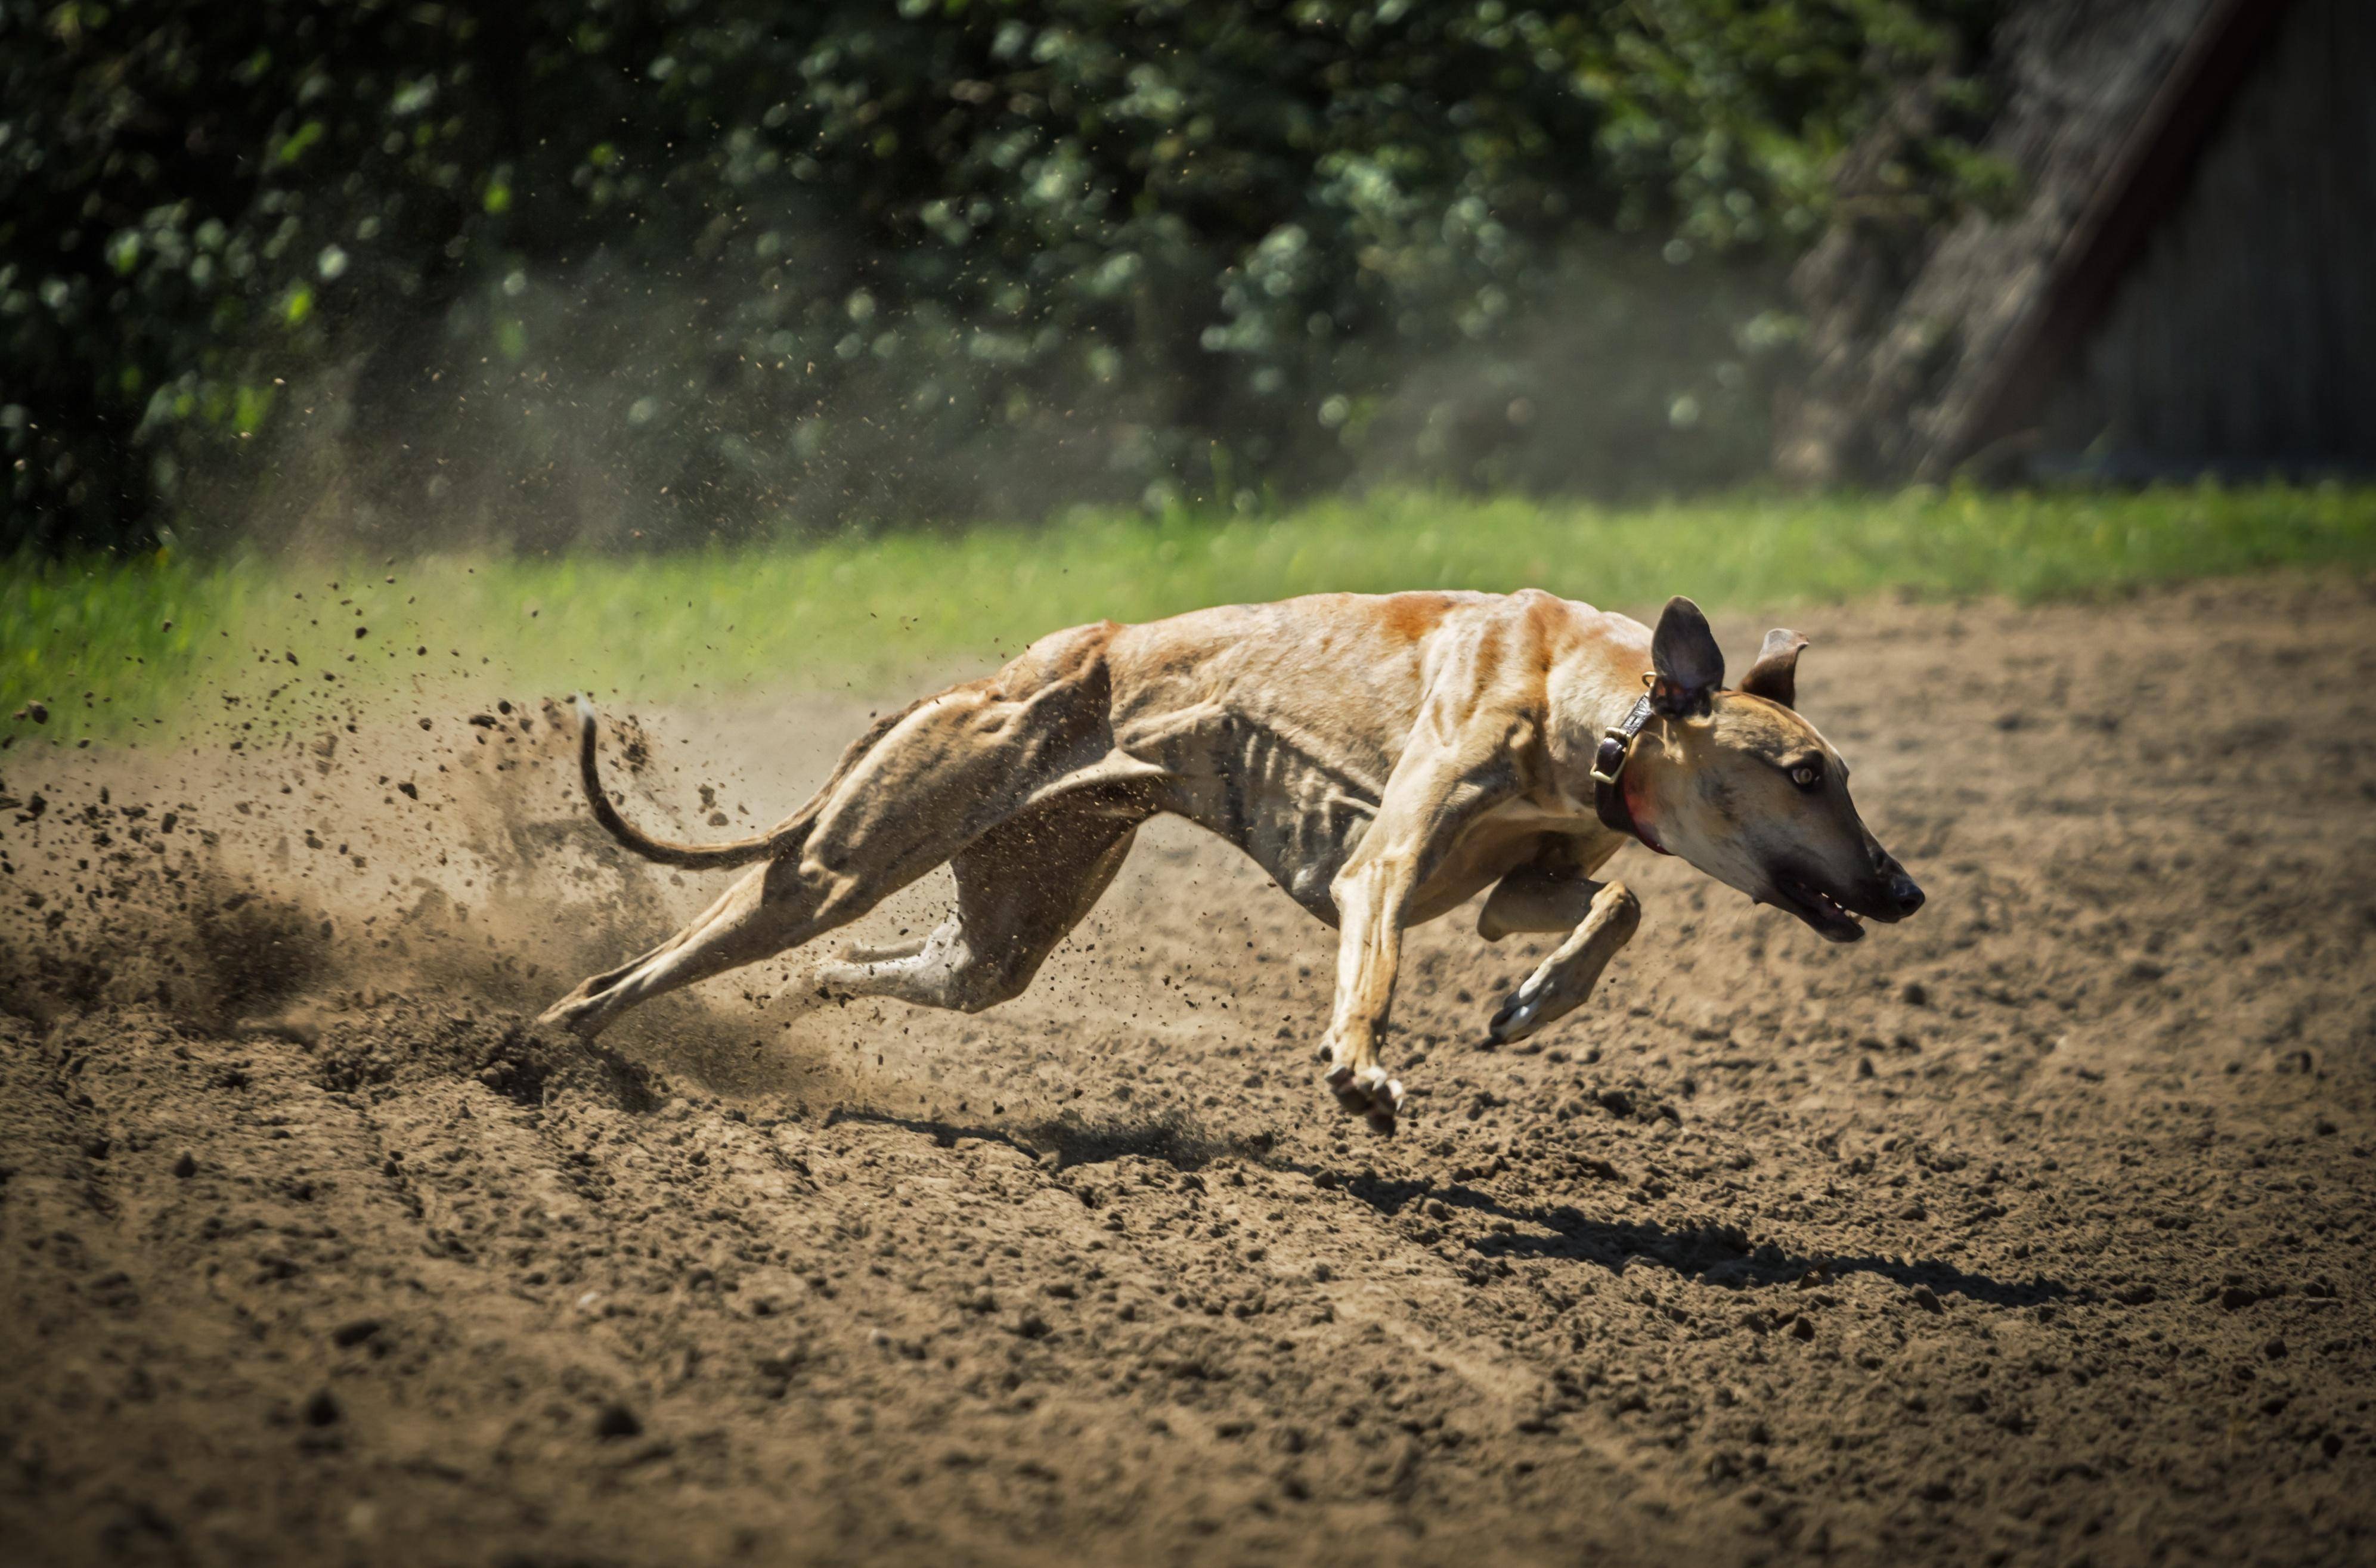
119, 647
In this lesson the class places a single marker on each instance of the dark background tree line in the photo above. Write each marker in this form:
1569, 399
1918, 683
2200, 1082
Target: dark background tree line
602, 272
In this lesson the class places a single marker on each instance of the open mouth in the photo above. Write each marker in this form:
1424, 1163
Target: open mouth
1832, 919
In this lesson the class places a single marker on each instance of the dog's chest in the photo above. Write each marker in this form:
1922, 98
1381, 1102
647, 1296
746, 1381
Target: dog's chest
1497, 844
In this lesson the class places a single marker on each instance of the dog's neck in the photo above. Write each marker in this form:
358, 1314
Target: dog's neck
1585, 698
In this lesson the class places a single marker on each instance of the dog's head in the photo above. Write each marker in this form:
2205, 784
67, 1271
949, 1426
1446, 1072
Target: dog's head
1746, 790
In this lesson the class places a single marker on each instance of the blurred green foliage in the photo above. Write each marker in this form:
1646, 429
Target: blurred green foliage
143, 647
582, 269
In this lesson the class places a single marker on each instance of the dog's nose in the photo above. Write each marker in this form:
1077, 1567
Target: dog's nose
1907, 892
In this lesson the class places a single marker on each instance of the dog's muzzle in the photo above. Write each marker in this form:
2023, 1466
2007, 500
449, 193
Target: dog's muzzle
1837, 913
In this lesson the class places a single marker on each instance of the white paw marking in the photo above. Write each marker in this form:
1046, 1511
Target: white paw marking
1520, 1015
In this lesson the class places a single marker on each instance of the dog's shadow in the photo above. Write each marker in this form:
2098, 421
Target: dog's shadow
1716, 1254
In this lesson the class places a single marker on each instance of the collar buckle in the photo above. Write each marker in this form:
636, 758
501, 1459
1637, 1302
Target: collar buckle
1608, 760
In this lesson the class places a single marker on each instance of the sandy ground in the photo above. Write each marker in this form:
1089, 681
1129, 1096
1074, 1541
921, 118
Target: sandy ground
2035, 1231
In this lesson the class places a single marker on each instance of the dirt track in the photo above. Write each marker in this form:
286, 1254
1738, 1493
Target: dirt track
2037, 1230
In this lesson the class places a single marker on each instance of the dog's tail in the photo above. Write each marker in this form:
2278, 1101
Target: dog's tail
696, 856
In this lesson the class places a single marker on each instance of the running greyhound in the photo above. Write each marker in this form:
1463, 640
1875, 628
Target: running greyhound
1382, 758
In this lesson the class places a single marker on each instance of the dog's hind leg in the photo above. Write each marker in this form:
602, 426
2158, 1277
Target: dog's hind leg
946, 776
1020, 888
768, 910
1562, 983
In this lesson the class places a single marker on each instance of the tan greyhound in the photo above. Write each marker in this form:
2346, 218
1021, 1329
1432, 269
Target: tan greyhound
1383, 758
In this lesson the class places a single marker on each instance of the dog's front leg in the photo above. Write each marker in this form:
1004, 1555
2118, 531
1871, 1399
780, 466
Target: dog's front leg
1434, 795
1562, 983
1370, 904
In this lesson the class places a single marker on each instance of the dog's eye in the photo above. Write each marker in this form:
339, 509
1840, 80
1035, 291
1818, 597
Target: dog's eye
1806, 775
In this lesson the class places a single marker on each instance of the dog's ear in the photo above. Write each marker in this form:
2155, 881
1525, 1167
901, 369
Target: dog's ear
1690, 666
1774, 676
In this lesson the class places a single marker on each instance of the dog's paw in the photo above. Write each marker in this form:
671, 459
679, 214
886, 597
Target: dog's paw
1521, 1015
1367, 1093
577, 1016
